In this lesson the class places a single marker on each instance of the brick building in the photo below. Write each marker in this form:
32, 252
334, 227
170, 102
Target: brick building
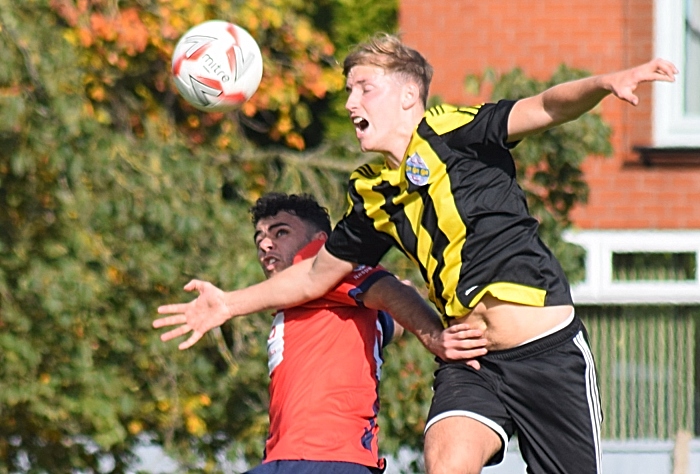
644, 203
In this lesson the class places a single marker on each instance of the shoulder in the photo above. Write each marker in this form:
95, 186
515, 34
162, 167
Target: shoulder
367, 171
446, 118
443, 119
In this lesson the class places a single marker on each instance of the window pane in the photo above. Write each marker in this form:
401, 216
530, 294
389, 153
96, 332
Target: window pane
654, 266
692, 59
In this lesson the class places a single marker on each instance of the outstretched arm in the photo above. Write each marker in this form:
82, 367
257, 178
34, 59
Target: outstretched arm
411, 311
305, 281
568, 101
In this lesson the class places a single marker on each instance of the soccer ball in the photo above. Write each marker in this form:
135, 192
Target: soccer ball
217, 66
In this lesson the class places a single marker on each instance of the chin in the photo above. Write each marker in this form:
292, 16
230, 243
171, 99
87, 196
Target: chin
365, 147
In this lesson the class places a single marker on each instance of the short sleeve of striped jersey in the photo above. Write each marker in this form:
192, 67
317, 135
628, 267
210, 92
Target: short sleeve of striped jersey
489, 126
355, 240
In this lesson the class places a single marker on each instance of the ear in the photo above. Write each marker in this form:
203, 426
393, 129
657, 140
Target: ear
411, 95
320, 235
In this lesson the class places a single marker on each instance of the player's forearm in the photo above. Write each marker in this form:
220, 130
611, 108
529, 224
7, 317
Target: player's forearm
302, 282
568, 101
456, 343
407, 308
291, 287
559, 104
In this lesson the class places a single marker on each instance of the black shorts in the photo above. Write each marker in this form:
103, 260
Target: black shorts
312, 467
545, 391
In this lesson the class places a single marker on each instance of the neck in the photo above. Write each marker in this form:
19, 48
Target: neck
392, 161
403, 134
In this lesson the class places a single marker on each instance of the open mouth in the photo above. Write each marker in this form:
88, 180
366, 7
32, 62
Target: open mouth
360, 123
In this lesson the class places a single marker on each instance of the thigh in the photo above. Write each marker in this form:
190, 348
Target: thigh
310, 467
555, 404
460, 445
467, 421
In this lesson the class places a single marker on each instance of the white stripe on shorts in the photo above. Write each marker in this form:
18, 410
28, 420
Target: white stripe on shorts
475, 416
593, 395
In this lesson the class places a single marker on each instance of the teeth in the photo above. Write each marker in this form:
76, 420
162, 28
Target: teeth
357, 120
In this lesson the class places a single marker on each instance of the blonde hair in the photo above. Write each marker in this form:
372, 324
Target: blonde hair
389, 53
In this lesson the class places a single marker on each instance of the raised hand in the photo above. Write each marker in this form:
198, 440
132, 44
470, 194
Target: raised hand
623, 83
207, 311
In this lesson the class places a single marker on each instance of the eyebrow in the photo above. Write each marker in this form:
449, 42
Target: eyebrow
272, 227
359, 81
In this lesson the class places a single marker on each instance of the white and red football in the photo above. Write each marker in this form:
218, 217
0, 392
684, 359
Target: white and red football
217, 66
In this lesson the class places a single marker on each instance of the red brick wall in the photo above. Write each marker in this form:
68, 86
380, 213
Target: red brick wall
461, 37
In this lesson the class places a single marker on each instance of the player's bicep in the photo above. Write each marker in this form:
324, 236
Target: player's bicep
528, 117
327, 270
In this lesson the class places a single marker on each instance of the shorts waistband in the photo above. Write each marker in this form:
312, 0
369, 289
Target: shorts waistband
539, 345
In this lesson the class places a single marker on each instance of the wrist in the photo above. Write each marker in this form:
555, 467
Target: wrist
432, 340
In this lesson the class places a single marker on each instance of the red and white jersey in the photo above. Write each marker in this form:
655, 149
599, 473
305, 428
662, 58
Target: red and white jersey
325, 359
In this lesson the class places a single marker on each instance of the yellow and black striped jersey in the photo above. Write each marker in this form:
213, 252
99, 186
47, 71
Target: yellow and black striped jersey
454, 207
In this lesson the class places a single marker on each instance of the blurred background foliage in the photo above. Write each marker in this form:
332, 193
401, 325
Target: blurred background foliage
114, 192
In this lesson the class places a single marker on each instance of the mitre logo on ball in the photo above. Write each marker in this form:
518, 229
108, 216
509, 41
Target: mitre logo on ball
217, 66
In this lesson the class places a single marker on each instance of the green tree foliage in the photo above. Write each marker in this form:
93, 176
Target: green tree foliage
110, 200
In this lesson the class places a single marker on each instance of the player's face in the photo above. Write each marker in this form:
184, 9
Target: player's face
278, 239
374, 101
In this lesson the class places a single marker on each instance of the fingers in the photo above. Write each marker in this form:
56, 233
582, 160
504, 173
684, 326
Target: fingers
464, 333
173, 308
631, 98
456, 328
663, 75
625, 82
196, 336
177, 332
169, 321
461, 342
466, 352
474, 364
179, 317
195, 285
465, 356
666, 70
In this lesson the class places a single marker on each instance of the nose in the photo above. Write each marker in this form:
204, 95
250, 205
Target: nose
351, 102
265, 245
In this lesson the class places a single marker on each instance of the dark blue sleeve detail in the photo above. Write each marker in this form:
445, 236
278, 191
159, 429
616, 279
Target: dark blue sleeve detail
366, 284
388, 327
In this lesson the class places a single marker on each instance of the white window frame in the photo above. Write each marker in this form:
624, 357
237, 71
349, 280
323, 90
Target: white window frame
599, 287
671, 127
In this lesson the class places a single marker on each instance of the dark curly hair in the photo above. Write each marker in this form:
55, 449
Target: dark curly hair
303, 206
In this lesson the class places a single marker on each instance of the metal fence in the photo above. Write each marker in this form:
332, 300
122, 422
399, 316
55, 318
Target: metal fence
646, 358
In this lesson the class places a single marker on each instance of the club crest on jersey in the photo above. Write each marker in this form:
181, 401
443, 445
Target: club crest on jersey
417, 171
